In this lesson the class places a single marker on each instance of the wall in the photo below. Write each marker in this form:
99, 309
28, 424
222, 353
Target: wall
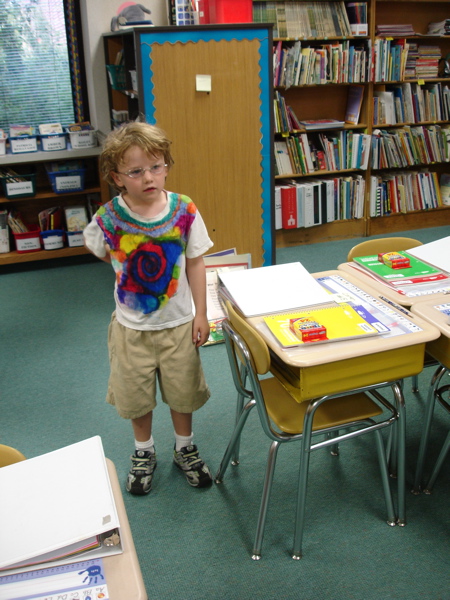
96, 18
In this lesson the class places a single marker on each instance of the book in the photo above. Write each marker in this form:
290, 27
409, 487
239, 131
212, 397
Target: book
341, 321
354, 102
417, 272
445, 189
322, 124
436, 253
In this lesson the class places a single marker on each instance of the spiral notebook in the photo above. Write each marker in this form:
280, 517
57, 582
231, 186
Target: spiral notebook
342, 322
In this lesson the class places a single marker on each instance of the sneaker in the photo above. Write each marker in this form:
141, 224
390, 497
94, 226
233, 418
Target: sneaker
195, 470
139, 480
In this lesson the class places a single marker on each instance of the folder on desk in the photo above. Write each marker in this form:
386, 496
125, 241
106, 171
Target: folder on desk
277, 288
57, 508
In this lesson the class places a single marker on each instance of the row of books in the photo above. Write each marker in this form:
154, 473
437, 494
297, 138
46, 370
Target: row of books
303, 153
404, 192
338, 62
348, 61
411, 103
318, 201
304, 19
410, 146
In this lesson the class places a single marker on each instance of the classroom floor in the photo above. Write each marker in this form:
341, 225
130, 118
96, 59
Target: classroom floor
196, 544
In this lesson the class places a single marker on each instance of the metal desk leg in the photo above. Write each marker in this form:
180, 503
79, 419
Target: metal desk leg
426, 427
401, 444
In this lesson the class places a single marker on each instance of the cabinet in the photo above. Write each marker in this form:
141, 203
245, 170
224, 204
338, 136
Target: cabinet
30, 206
222, 138
325, 94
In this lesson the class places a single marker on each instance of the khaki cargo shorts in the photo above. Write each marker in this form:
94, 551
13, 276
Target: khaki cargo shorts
139, 358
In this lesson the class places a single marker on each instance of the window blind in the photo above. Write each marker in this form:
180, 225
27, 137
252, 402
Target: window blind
35, 80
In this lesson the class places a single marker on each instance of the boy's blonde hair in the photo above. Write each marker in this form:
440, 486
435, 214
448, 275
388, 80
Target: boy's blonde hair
151, 139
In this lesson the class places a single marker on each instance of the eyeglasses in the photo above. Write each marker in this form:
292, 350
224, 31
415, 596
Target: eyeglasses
139, 172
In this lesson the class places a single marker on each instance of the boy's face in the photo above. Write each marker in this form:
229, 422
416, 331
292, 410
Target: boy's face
142, 176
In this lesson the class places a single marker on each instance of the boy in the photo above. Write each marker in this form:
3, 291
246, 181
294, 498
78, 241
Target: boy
154, 240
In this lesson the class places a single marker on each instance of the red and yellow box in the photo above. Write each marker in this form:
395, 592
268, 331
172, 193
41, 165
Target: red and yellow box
394, 260
308, 330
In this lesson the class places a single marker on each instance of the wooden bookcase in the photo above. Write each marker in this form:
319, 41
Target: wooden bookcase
222, 139
45, 197
329, 101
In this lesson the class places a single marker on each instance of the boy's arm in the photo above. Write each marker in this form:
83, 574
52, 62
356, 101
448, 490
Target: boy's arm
196, 274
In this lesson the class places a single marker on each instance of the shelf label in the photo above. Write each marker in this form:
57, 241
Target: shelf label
69, 183
19, 187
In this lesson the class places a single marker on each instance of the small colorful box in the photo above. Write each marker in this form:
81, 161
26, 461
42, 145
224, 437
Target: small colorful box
394, 260
308, 330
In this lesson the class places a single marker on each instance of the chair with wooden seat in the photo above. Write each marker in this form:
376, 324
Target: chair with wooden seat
387, 244
9, 455
284, 417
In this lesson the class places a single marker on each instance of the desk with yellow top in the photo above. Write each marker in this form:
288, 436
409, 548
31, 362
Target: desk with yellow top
348, 365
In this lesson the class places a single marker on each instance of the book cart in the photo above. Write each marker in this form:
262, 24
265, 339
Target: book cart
367, 60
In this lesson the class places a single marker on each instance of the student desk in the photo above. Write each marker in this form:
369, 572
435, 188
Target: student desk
387, 291
350, 365
122, 571
440, 350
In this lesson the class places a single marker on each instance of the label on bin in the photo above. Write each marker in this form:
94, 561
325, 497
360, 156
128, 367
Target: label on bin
69, 182
19, 187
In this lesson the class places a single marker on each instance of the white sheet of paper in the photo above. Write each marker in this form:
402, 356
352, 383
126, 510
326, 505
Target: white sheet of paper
436, 253
277, 288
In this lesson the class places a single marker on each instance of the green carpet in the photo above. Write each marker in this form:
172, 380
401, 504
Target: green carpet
196, 544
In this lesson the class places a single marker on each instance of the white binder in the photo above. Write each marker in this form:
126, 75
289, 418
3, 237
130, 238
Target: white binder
57, 502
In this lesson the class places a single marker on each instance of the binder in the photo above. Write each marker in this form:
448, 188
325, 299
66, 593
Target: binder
42, 519
272, 289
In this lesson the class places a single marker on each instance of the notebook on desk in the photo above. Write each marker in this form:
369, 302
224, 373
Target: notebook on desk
277, 288
45, 522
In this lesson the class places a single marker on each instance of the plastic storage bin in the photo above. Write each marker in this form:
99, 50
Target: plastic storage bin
230, 11
23, 143
53, 239
22, 185
3, 144
66, 181
29, 241
83, 139
54, 141
74, 238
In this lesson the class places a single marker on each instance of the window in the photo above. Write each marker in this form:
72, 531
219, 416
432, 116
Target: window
39, 63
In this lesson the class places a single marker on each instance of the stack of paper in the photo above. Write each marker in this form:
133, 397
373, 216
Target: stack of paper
267, 290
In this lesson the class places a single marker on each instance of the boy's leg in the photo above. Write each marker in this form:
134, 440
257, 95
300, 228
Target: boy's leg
186, 456
143, 461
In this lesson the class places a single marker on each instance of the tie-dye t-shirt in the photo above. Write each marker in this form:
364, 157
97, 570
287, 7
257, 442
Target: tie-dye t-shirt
148, 257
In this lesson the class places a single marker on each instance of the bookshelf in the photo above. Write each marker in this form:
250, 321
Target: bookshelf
334, 62
45, 197
222, 139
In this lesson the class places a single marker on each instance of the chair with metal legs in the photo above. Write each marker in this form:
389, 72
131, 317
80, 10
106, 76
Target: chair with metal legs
284, 417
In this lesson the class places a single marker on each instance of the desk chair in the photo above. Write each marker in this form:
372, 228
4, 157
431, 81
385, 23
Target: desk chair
9, 456
284, 417
388, 244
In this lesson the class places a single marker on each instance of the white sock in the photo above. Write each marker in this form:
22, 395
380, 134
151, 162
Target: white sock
148, 446
181, 441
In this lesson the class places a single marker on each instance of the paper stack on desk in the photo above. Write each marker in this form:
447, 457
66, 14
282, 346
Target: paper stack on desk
278, 288
57, 508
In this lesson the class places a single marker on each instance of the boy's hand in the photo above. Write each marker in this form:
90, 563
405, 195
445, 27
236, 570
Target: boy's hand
200, 330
